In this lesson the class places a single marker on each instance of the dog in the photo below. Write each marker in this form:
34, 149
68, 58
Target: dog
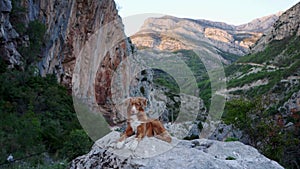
139, 124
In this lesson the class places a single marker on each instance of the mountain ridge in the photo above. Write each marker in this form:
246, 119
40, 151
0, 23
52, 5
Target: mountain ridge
172, 33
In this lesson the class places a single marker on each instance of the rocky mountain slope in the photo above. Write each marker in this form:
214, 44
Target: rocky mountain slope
265, 86
276, 53
260, 24
287, 26
200, 153
171, 33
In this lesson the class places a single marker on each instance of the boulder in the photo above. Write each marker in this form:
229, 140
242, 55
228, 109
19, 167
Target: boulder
179, 154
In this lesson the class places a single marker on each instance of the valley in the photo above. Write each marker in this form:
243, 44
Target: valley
262, 76
222, 91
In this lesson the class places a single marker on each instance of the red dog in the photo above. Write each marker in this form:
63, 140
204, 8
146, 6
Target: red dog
138, 123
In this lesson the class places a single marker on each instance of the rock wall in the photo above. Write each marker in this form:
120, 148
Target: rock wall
70, 25
8, 36
287, 25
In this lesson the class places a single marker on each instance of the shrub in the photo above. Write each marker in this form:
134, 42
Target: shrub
77, 143
36, 116
230, 158
230, 139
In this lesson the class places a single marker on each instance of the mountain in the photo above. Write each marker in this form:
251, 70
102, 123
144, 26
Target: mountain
260, 24
171, 33
285, 27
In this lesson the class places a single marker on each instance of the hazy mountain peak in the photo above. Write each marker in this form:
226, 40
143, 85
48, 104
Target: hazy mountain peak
260, 24
163, 32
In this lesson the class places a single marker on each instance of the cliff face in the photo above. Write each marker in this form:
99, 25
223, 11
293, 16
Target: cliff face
8, 36
70, 25
286, 26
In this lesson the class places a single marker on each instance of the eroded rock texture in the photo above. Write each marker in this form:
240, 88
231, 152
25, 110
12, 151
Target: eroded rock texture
71, 29
179, 154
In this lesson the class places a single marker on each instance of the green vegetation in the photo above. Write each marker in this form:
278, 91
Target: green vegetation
228, 56
161, 78
38, 118
31, 54
166, 80
230, 139
234, 68
230, 158
17, 15
256, 112
38, 123
264, 133
198, 69
271, 51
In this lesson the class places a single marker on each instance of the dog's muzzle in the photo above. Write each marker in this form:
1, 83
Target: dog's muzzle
134, 110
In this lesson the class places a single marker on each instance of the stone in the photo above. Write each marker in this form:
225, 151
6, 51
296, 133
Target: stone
8, 37
179, 154
5, 6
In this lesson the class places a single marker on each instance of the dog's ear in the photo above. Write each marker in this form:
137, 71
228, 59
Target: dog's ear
128, 100
143, 101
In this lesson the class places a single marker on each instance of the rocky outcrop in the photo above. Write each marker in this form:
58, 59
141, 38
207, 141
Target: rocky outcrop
286, 26
154, 153
151, 40
70, 26
8, 37
218, 35
262, 24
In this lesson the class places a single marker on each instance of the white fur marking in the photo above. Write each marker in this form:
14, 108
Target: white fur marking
134, 109
134, 122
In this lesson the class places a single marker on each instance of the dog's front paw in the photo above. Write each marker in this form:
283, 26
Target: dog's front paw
133, 145
120, 144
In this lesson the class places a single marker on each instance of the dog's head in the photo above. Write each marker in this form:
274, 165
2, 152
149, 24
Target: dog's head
136, 105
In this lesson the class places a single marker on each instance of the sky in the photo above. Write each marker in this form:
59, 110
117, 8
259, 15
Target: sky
234, 12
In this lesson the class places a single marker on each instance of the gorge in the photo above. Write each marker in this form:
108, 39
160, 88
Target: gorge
81, 45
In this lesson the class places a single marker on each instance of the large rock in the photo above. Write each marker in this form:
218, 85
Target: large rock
180, 154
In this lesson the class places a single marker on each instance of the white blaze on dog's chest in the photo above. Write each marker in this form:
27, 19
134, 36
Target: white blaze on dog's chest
134, 122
